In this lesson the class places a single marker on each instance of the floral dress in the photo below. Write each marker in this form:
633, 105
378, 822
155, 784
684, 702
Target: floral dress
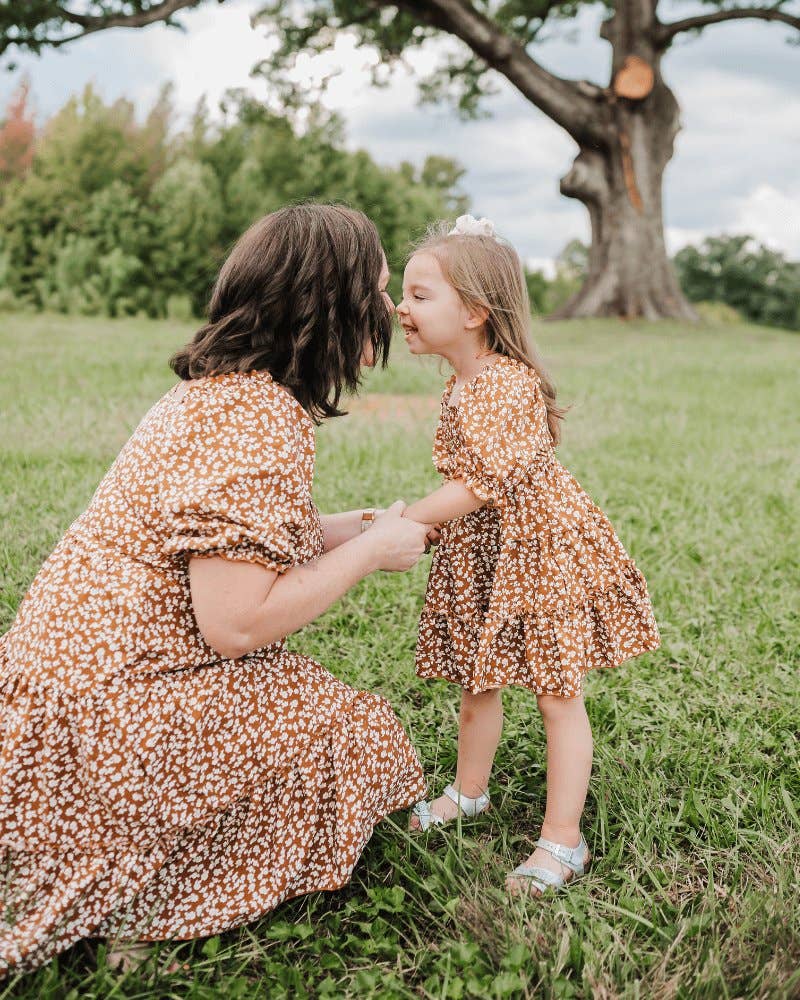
148, 786
534, 588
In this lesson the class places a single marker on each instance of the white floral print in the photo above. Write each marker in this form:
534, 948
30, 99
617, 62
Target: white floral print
149, 787
534, 588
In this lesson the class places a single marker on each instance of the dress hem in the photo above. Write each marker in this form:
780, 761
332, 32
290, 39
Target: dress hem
531, 685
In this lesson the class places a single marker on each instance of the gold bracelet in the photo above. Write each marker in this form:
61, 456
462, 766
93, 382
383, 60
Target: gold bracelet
367, 518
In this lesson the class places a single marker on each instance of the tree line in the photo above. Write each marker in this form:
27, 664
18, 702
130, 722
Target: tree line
101, 214
624, 124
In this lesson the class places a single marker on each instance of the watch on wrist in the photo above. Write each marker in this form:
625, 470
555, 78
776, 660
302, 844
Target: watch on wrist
367, 518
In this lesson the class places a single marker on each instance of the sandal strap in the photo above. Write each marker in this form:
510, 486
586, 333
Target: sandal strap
427, 818
542, 878
468, 806
570, 857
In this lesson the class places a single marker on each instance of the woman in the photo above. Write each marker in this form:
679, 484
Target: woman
168, 769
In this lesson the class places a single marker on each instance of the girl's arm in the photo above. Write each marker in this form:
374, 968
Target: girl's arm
445, 504
241, 606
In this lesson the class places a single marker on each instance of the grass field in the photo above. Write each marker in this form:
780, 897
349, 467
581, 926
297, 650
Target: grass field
688, 438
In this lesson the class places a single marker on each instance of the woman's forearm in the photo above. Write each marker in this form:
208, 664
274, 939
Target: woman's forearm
445, 504
340, 528
240, 606
304, 592
244, 620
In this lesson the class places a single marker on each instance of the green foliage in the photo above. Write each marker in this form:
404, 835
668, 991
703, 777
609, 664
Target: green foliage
461, 77
728, 277
538, 291
548, 294
114, 217
755, 281
100, 269
188, 224
717, 313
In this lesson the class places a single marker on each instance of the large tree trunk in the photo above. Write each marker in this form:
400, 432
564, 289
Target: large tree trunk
620, 182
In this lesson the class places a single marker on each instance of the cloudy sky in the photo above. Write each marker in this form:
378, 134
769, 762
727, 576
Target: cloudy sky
737, 162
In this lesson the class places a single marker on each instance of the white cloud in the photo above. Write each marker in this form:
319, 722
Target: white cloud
772, 216
217, 52
546, 265
677, 238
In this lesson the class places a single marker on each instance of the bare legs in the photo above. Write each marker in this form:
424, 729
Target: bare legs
479, 728
569, 765
480, 725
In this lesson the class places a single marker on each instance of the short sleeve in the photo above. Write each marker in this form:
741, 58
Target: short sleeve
236, 484
503, 422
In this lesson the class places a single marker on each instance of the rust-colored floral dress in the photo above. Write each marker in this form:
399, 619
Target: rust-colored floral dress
149, 787
534, 588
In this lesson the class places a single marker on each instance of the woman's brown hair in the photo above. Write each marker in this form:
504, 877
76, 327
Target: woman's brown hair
487, 274
297, 297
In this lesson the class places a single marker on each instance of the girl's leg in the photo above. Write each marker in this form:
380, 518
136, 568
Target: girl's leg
479, 729
480, 725
569, 765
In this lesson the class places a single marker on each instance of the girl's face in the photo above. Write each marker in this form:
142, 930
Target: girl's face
368, 354
432, 315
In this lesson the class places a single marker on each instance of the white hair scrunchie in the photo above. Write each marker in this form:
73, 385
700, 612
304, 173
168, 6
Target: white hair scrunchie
468, 225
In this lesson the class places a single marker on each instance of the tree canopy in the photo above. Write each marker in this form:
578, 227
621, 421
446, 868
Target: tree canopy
497, 36
758, 282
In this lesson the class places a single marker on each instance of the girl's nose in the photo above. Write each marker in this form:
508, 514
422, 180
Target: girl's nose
401, 307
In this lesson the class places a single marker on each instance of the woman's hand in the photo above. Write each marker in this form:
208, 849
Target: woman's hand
399, 543
433, 531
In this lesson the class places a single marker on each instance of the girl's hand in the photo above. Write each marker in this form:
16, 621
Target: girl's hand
434, 534
398, 543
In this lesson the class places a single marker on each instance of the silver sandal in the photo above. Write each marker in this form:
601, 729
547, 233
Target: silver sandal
468, 807
569, 857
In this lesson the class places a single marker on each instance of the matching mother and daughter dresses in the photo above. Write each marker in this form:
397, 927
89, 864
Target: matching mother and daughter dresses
150, 788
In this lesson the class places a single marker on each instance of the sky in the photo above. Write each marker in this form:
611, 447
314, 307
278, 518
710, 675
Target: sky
737, 159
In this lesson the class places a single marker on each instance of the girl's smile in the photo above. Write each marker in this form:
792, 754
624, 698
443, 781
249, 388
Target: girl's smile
431, 312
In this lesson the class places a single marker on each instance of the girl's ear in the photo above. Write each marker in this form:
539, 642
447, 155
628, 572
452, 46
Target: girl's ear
476, 317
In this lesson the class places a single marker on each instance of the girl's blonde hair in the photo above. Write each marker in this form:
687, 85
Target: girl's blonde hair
487, 274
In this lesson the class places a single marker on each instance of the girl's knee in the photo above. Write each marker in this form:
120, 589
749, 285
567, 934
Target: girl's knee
553, 706
479, 704
482, 697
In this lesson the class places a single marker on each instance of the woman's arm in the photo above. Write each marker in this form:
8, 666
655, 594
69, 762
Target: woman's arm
448, 502
241, 606
340, 528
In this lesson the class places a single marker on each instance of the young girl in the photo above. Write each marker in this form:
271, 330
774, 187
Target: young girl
529, 584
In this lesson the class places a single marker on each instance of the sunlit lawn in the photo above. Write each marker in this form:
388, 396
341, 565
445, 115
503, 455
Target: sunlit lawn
688, 438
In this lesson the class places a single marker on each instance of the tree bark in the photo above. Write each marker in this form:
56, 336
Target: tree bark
619, 180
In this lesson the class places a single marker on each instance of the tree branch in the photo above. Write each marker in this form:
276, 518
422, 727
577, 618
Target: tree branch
579, 108
160, 12
666, 32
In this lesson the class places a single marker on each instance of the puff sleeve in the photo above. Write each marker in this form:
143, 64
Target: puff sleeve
503, 421
236, 484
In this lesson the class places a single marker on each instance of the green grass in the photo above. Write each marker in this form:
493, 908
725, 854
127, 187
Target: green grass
688, 439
